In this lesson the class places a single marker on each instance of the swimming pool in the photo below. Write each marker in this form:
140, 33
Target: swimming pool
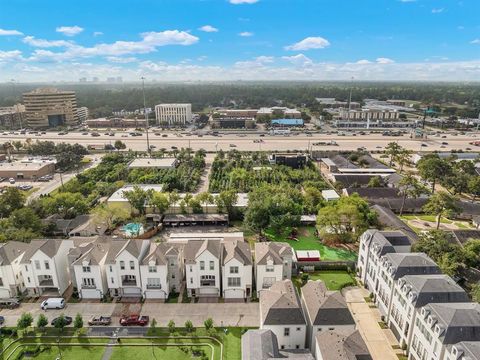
132, 229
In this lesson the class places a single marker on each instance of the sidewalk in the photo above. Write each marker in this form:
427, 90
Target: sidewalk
378, 341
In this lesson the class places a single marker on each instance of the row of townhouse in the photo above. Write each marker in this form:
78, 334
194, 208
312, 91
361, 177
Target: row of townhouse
315, 325
427, 311
98, 266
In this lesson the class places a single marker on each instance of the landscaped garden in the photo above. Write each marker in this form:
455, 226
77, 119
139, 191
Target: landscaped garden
334, 280
307, 240
424, 222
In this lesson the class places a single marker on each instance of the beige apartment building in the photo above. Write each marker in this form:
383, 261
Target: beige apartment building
50, 107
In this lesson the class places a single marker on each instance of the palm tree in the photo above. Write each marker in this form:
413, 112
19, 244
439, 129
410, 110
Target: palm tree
7, 147
392, 149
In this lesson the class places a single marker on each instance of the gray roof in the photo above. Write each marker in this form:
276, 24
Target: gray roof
411, 264
462, 236
325, 307
470, 349
238, 250
132, 246
279, 305
387, 218
395, 203
342, 162
11, 250
158, 253
354, 180
94, 253
374, 193
461, 321
193, 249
341, 346
262, 344
387, 241
48, 246
272, 250
437, 288
372, 163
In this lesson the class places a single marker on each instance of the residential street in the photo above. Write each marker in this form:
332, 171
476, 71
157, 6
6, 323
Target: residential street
223, 314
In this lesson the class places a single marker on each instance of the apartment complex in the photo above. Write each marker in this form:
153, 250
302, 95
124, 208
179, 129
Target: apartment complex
173, 114
82, 113
50, 107
12, 117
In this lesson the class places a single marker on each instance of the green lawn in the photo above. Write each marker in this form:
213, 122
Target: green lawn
306, 240
160, 351
334, 280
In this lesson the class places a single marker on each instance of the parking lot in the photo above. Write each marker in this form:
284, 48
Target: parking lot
223, 314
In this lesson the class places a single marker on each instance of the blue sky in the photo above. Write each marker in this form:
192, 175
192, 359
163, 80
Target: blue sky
240, 39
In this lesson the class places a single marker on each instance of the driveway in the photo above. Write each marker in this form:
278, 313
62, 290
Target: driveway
223, 314
378, 340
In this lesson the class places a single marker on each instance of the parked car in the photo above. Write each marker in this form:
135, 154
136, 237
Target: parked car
100, 320
2, 320
11, 181
53, 303
2, 179
233, 145
68, 320
9, 303
134, 320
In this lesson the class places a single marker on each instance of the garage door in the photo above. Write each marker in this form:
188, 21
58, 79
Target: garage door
4, 294
208, 292
90, 294
234, 294
133, 291
155, 294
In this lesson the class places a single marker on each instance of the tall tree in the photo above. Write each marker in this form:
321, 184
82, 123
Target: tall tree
440, 204
11, 200
159, 201
119, 145
392, 149
474, 187
432, 168
410, 187
226, 201
138, 198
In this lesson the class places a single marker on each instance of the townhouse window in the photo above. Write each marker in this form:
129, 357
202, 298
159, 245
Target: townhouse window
37, 264
132, 265
190, 269
172, 264
88, 282
86, 269
202, 266
47, 265
28, 280
286, 332
173, 276
282, 347
154, 283
111, 279
298, 329
233, 269
269, 268
111, 268
233, 281
26, 268
122, 265
1, 282
152, 269
297, 346
212, 265
191, 280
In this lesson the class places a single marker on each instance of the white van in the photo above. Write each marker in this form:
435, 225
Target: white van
53, 303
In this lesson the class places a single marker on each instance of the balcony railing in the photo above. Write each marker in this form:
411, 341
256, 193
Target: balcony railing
46, 283
84, 286
154, 286
129, 283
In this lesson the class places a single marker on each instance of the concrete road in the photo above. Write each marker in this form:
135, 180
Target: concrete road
246, 142
377, 339
223, 314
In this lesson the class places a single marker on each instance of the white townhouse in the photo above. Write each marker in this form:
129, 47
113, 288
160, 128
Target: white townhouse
273, 262
324, 311
465, 350
281, 312
441, 326
123, 267
412, 292
373, 245
88, 268
45, 267
161, 271
393, 267
11, 275
237, 270
202, 268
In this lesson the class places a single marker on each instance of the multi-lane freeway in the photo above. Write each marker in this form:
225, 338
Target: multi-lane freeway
372, 142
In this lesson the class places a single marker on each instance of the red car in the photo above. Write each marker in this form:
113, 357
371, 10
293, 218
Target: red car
134, 320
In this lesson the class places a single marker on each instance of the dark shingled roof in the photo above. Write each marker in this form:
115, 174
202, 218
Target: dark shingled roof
375, 193
340, 346
11, 250
411, 264
462, 236
388, 219
470, 349
279, 305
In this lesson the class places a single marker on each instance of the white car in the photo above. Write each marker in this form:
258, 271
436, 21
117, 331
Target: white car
11, 181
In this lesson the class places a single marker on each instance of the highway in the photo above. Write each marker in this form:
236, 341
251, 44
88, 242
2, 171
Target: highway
372, 142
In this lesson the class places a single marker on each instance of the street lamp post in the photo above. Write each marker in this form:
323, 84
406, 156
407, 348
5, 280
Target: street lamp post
146, 116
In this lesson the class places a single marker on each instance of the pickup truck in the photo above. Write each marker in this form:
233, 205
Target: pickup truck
100, 320
134, 320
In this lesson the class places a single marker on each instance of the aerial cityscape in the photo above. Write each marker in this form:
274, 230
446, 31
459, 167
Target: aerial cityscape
240, 180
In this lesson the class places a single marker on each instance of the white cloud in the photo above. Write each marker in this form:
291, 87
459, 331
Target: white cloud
32, 41
383, 61
4, 32
238, 2
437, 11
202, 58
208, 28
10, 55
475, 41
298, 59
363, 62
97, 33
69, 30
121, 60
311, 42
259, 61
245, 33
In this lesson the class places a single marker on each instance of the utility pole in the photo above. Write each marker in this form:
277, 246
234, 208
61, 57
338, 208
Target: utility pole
350, 99
146, 115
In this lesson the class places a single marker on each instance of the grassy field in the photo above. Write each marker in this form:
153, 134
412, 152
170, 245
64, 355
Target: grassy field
432, 219
334, 280
306, 240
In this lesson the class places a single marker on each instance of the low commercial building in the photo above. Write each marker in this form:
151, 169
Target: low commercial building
105, 123
152, 163
237, 113
292, 160
118, 197
280, 111
287, 122
281, 312
330, 195
173, 114
233, 123
332, 103
26, 170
